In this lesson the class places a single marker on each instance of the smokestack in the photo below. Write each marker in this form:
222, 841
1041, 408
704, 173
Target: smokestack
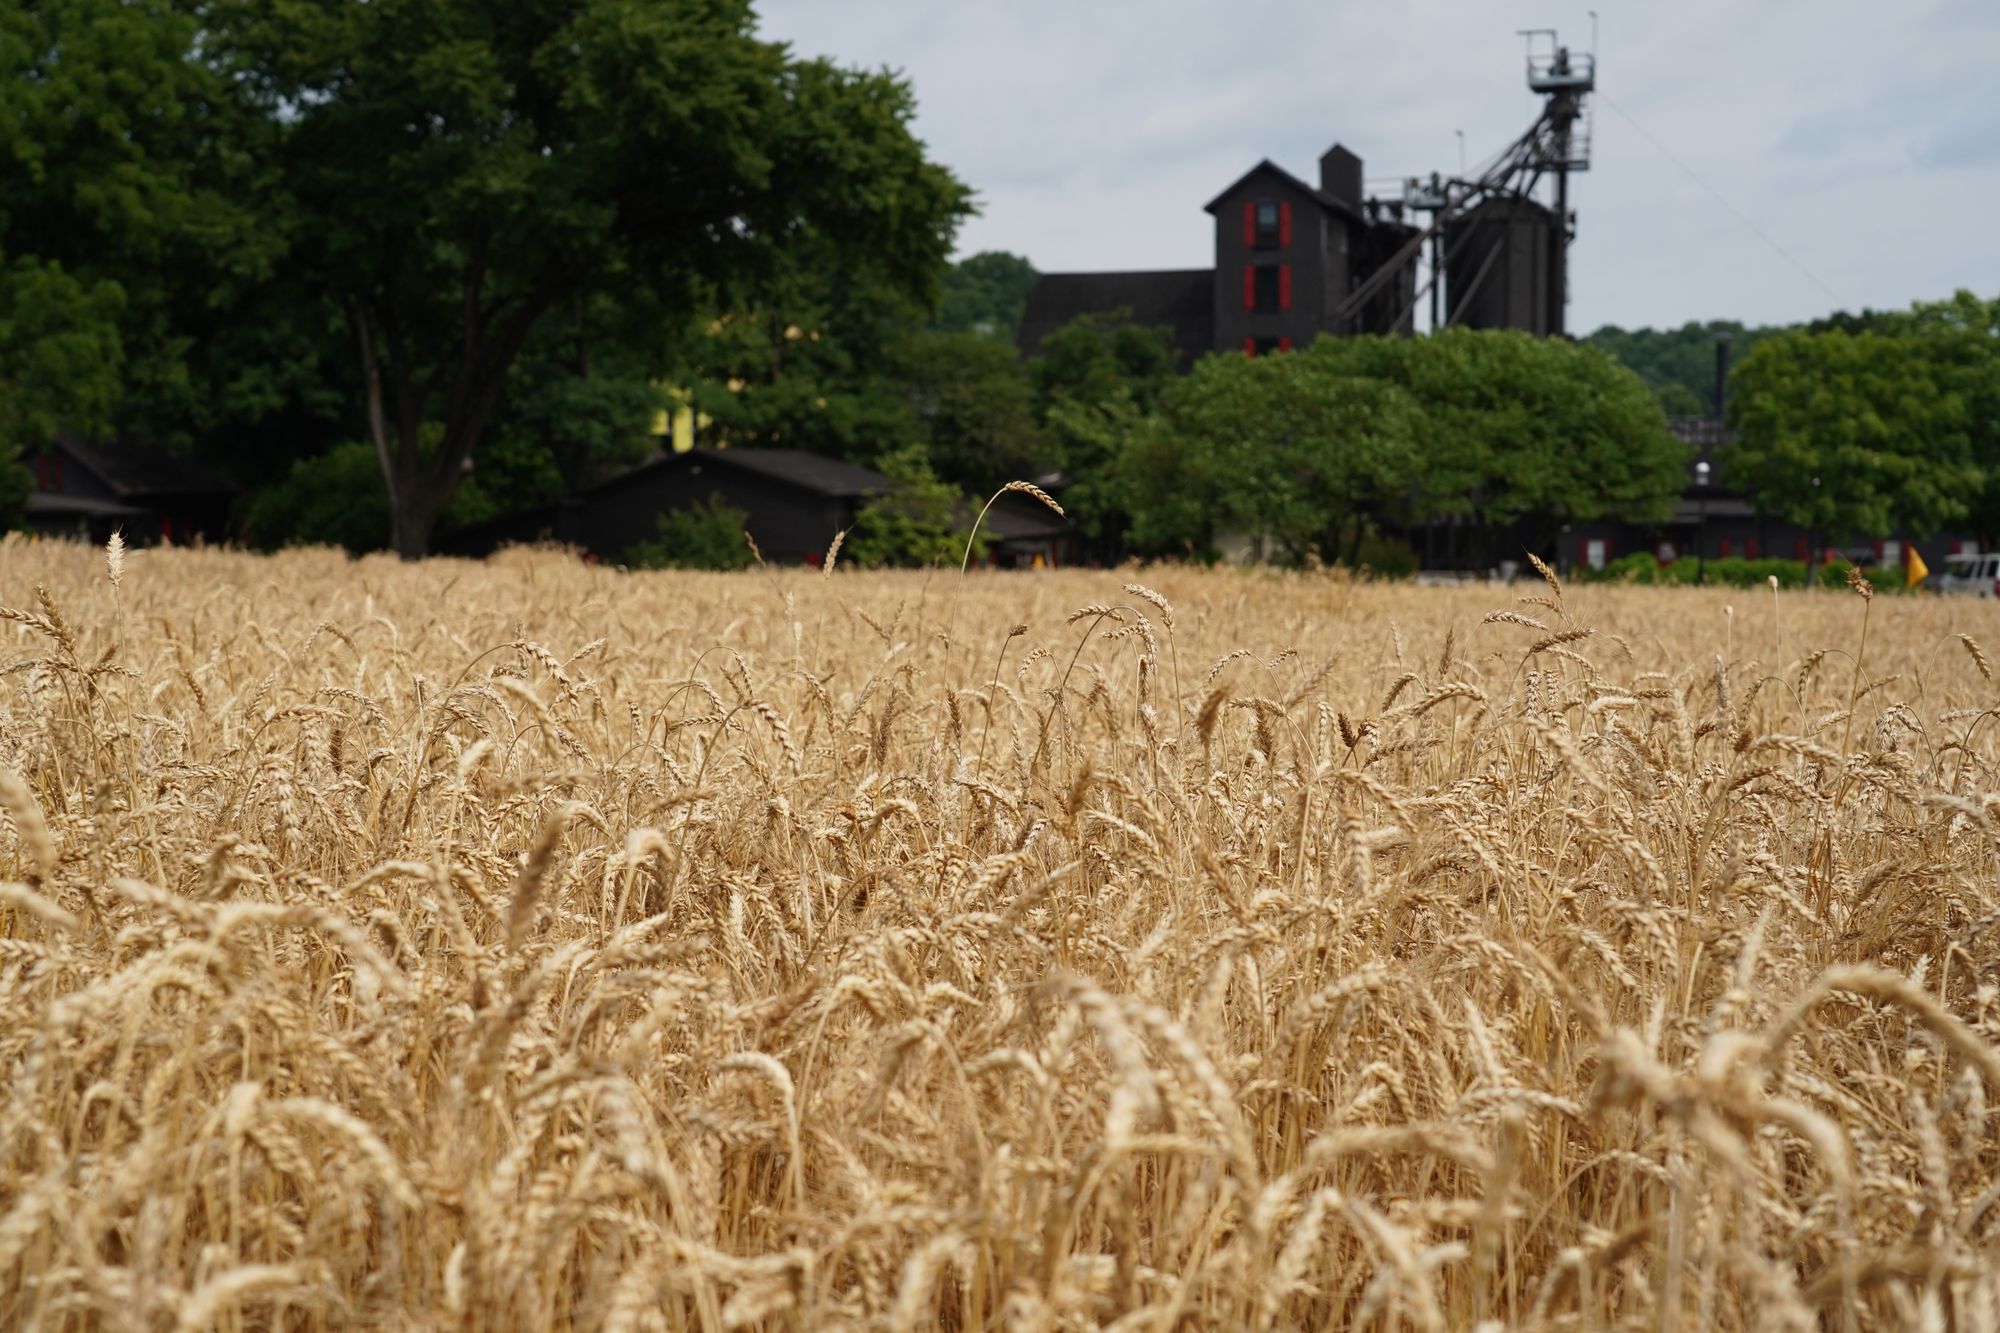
1340, 176
1721, 376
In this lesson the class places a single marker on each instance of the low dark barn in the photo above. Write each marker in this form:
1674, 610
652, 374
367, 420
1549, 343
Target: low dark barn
795, 502
91, 488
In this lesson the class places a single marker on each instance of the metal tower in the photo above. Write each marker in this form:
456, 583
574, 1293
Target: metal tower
1469, 247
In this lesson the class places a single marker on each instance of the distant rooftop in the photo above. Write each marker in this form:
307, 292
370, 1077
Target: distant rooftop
134, 469
812, 472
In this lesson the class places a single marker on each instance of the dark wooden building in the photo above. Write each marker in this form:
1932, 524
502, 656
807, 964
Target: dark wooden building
1287, 256
90, 488
795, 502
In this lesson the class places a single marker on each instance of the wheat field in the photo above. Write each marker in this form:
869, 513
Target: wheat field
530, 944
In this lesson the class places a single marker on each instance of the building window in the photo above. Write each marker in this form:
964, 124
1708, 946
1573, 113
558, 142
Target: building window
1267, 224
48, 472
1266, 346
1268, 285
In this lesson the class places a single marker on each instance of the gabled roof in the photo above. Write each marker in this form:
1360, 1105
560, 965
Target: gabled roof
1179, 299
133, 469
1268, 167
1025, 522
812, 472
794, 467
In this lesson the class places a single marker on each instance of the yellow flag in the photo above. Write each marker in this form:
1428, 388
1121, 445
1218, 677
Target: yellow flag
1916, 570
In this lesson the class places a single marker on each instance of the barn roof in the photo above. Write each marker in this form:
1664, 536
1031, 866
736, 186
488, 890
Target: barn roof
812, 472
1182, 300
134, 469
795, 467
1272, 169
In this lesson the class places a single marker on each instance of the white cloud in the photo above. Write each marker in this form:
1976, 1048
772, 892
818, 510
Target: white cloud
1859, 137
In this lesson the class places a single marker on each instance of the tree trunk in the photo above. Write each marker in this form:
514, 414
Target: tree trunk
417, 503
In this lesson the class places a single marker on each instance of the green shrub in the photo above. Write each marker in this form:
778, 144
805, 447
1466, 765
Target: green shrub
922, 522
1386, 557
1883, 578
1724, 571
334, 499
706, 535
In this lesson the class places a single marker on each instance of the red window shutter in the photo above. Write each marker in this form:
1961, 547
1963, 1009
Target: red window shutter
1285, 223
1249, 347
1582, 552
1799, 548
1249, 287
1284, 344
1284, 286
1878, 550
166, 527
1750, 548
1724, 548
1250, 223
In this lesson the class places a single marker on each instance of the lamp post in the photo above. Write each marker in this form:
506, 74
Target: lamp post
1701, 521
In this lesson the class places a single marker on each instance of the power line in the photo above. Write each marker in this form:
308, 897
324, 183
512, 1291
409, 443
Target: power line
1717, 195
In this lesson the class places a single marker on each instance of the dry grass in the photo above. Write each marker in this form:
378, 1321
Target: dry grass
530, 945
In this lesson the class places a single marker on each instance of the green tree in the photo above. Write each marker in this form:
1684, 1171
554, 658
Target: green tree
454, 175
1286, 447
1856, 433
1514, 428
1095, 358
922, 522
124, 166
973, 410
813, 363
985, 293
1095, 381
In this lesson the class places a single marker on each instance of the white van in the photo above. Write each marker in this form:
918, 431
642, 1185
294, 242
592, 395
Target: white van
1973, 574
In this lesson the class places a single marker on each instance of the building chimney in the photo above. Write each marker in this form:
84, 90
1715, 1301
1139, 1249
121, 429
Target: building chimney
1722, 376
1340, 176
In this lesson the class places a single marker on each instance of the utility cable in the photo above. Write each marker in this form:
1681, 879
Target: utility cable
1716, 195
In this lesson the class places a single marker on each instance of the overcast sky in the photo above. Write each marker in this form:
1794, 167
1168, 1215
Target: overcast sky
1861, 137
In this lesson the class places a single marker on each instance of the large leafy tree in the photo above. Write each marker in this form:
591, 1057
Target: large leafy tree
811, 359
1516, 428
1865, 433
125, 162
453, 175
